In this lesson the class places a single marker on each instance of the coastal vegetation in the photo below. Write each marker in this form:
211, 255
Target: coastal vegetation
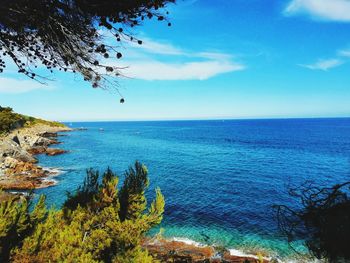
9, 120
97, 223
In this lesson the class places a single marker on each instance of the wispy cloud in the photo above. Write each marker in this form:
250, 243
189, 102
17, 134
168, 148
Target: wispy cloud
152, 46
165, 48
324, 65
157, 60
344, 53
14, 86
332, 10
341, 57
155, 70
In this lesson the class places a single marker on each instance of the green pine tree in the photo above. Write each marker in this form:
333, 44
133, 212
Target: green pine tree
96, 223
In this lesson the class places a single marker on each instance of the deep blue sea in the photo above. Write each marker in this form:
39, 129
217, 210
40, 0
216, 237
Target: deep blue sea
220, 178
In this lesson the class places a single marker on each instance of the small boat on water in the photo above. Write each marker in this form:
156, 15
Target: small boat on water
101, 129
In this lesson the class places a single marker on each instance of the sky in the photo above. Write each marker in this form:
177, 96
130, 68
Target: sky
220, 59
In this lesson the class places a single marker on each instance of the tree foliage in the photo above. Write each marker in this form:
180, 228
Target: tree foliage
10, 120
16, 222
67, 34
88, 228
322, 222
131, 196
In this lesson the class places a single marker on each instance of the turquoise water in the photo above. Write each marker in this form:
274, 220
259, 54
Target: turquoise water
220, 178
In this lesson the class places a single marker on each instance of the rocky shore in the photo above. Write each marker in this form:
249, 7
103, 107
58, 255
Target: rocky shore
180, 251
18, 166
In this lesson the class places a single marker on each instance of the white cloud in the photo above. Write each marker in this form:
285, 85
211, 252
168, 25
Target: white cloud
344, 53
334, 10
155, 47
323, 64
155, 70
157, 60
14, 86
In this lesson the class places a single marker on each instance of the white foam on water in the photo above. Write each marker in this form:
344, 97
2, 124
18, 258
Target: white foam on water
50, 180
239, 253
54, 171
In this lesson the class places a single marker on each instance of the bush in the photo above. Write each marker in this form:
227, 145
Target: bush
89, 227
10, 120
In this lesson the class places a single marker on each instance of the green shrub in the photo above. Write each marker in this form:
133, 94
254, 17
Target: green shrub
10, 120
89, 227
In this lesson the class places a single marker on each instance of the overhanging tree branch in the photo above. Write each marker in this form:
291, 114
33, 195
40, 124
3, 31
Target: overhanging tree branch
66, 35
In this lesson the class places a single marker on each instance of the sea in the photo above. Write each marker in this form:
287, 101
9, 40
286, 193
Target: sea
220, 178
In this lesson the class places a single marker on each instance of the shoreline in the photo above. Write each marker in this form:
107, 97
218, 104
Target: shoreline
182, 249
179, 249
19, 168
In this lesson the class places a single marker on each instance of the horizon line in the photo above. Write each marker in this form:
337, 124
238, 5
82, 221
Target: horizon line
208, 119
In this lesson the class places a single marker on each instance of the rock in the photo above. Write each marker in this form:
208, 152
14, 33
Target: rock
53, 152
24, 183
41, 141
16, 140
10, 163
47, 151
54, 142
15, 167
49, 134
176, 251
9, 148
37, 150
18, 170
24, 156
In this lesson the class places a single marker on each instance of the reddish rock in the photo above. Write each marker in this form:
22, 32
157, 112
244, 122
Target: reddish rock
23, 176
233, 259
23, 183
25, 168
53, 152
47, 151
52, 142
175, 251
37, 150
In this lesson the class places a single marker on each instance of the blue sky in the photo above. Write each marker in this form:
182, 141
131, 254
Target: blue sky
219, 59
